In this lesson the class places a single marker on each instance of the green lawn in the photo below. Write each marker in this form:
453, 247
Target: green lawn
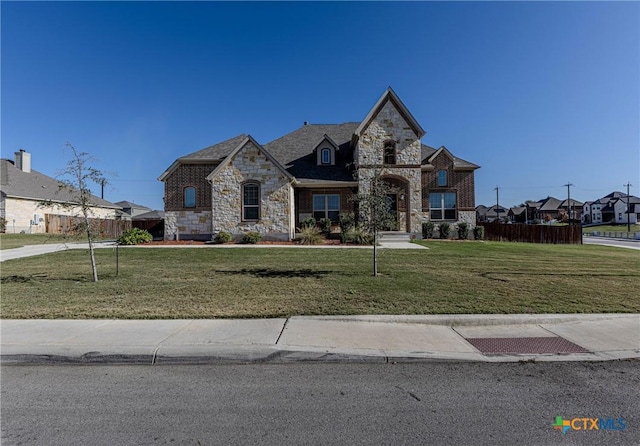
450, 277
10, 241
611, 228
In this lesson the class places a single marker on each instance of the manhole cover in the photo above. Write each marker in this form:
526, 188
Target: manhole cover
526, 345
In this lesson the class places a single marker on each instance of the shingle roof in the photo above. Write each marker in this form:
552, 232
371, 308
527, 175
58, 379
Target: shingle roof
37, 186
294, 151
151, 215
129, 204
550, 204
216, 151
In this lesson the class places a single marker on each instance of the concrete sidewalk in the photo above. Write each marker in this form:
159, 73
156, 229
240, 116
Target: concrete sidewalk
490, 338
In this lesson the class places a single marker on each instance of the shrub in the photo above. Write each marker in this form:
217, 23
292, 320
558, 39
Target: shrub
308, 222
325, 225
310, 236
3, 225
251, 238
445, 229
463, 230
347, 221
358, 236
478, 233
427, 229
223, 237
134, 236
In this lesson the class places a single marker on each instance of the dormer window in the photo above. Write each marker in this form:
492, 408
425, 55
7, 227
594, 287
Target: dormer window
325, 156
389, 152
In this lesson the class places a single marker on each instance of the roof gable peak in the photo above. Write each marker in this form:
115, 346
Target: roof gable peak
390, 95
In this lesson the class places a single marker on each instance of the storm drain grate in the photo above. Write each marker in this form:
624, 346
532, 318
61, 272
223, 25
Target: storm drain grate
526, 345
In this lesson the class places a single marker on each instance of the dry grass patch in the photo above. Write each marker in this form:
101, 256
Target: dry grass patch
450, 277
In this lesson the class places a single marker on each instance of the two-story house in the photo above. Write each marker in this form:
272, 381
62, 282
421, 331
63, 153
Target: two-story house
240, 185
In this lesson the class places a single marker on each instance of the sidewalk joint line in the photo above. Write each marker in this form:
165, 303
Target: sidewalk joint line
282, 331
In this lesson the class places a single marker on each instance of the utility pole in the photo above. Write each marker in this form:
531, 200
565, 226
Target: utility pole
569, 200
628, 206
497, 189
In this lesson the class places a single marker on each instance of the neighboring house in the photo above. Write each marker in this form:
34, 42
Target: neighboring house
240, 185
592, 212
491, 213
152, 221
549, 209
611, 208
572, 208
130, 210
620, 208
517, 214
22, 190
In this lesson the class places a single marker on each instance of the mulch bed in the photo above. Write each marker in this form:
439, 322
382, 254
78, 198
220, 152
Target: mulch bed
195, 243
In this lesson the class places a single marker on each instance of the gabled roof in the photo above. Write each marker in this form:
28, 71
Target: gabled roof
211, 154
129, 204
550, 204
573, 203
151, 215
295, 152
249, 140
15, 183
390, 95
458, 163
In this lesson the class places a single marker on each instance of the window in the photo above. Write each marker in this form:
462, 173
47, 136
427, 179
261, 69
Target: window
189, 197
389, 152
326, 206
442, 178
325, 156
251, 201
442, 205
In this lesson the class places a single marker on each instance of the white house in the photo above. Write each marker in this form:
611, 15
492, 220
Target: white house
23, 190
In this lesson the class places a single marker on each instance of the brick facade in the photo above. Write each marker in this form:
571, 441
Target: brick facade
188, 175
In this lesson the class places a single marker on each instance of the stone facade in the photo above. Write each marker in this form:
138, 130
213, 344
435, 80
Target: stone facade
290, 170
19, 214
390, 127
250, 164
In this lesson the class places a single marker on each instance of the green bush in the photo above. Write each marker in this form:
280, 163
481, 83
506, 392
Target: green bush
223, 237
135, 236
325, 225
251, 238
308, 222
358, 236
347, 221
478, 233
445, 229
310, 235
3, 225
427, 229
463, 230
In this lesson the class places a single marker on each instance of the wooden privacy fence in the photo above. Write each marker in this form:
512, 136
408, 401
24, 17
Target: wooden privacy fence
105, 228
155, 227
569, 234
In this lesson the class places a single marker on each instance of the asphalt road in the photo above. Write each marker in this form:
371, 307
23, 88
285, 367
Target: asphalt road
319, 403
618, 243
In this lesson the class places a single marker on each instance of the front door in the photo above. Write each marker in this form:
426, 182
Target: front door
392, 210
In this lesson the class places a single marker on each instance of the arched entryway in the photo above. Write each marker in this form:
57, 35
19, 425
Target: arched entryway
398, 202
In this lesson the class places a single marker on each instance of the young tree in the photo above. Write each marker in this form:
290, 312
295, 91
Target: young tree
375, 212
75, 179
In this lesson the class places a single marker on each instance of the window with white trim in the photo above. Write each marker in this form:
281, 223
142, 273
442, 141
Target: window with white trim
326, 206
442, 205
325, 156
250, 201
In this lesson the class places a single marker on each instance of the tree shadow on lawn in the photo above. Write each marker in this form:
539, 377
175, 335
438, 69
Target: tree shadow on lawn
489, 275
275, 273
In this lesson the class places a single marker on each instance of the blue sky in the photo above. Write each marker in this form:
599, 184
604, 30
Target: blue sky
539, 94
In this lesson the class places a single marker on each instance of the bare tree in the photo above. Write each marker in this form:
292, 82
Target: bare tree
375, 212
75, 180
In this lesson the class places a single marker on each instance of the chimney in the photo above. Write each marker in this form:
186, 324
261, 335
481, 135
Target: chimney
23, 161
306, 122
